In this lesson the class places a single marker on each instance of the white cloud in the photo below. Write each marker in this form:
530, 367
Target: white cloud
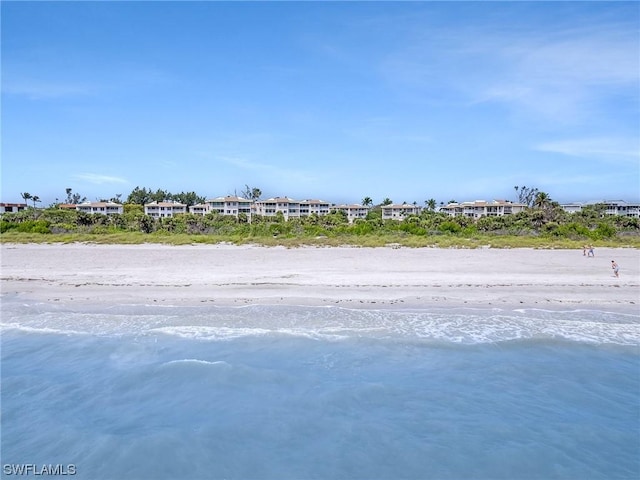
99, 179
21, 81
609, 149
563, 70
564, 80
36, 90
276, 172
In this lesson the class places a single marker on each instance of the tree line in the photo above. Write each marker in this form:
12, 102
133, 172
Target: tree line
141, 196
542, 217
549, 220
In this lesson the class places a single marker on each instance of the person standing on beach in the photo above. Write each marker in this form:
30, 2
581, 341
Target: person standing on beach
615, 268
591, 254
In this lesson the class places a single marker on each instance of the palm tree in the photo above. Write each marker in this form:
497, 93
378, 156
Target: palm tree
431, 204
35, 199
387, 201
367, 202
542, 200
26, 196
251, 193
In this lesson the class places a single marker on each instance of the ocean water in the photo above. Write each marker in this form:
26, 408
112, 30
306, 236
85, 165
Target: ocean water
272, 392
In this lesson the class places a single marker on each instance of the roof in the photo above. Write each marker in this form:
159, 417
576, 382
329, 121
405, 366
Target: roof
352, 205
483, 203
610, 202
165, 204
229, 198
98, 204
401, 205
279, 200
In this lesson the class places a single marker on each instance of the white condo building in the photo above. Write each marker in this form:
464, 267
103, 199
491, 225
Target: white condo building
291, 208
229, 205
12, 207
269, 208
482, 208
200, 209
399, 211
353, 211
164, 209
309, 207
611, 207
105, 208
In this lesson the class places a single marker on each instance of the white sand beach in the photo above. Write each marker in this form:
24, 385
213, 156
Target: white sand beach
83, 274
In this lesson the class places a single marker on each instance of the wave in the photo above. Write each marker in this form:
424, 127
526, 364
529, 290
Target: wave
229, 333
459, 330
195, 361
459, 326
4, 327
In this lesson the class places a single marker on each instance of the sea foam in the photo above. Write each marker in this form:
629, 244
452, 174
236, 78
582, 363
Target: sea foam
272, 392
465, 326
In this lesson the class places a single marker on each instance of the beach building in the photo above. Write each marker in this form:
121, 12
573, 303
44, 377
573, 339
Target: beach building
622, 208
269, 208
105, 208
609, 207
67, 206
353, 211
229, 205
200, 209
303, 208
12, 207
399, 211
482, 208
572, 207
164, 209
309, 207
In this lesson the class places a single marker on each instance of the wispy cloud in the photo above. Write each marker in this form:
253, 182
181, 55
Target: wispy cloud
608, 149
40, 90
99, 179
561, 71
564, 79
274, 171
19, 80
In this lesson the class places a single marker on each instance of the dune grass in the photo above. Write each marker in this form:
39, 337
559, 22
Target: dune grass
384, 240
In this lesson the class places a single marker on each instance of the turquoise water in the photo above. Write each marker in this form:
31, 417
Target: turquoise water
321, 393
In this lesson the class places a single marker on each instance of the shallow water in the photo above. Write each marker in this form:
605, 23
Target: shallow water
299, 392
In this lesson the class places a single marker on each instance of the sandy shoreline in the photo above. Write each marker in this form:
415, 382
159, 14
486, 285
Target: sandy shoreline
88, 274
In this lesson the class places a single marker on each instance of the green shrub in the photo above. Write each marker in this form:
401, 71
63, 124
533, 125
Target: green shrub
449, 227
413, 229
362, 228
7, 226
571, 230
604, 230
29, 226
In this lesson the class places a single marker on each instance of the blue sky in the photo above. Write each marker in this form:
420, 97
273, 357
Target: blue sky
337, 101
